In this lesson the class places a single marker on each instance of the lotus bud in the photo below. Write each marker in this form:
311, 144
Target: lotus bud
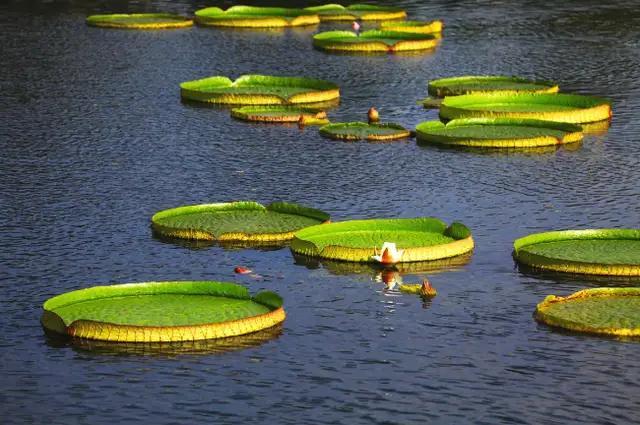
242, 270
426, 290
373, 115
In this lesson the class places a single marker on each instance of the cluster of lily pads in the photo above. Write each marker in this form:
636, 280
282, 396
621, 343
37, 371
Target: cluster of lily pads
389, 37
476, 111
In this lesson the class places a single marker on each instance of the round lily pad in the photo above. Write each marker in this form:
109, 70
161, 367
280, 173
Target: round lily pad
613, 252
363, 12
241, 221
498, 133
607, 311
419, 239
259, 90
161, 311
571, 108
362, 130
142, 21
373, 41
279, 114
416, 27
475, 84
255, 17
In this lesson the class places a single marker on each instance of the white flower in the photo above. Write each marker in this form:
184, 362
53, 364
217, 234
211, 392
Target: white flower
390, 254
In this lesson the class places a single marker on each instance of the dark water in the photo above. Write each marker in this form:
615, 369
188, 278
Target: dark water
95, 140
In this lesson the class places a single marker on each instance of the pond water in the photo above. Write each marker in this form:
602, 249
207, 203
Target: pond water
95, 140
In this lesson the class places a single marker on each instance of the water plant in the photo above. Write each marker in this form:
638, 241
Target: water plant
363, 130
614, 252
478, 84
240, 221
144, 21
420, 239
255, 17
506, 133
281, 114
571, 108
362, 12
257, 89
416, 27
373, 41
161, 311
605, 311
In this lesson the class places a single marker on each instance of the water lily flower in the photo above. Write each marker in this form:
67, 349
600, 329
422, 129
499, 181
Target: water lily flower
390, 254
356, 27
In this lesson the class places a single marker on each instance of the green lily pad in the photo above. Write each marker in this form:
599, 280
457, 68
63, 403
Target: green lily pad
161, 311
280, 114
139, 21
476, 84
416, 27
259, 90
362, 130
571, 108
497, 133
237, 221
373, 41
255, 17
363, 12
613, 252
422, 239
608, 311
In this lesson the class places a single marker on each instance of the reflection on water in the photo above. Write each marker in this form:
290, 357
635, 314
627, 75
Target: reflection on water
165, 349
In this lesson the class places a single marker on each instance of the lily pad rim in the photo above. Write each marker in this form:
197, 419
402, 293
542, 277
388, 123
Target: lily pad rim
543, 315
498, 121
440, 83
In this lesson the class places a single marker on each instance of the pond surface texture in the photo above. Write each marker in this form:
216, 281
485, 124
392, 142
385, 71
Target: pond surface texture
95, 140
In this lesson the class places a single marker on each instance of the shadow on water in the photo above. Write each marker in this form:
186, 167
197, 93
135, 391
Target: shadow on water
164, 349
573, 278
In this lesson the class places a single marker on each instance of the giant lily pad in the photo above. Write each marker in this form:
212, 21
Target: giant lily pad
237, 221
419, 239
477, 84
497, 133
373, 41
571, 108
259, 90
613, 252
362, 130
161, 311
142, 21
608, 311
363, 12
280, 114
255, 17
416, 27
